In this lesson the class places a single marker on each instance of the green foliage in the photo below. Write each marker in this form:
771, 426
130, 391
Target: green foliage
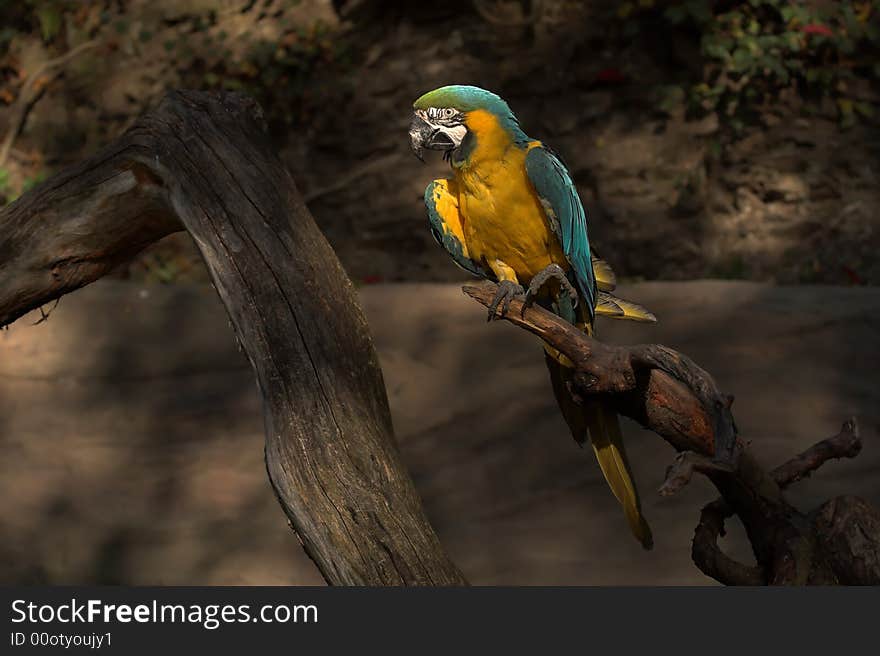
753, 50
9, 191
290, 73
161, 267
286, 76
43, 17
50, 16
32, 181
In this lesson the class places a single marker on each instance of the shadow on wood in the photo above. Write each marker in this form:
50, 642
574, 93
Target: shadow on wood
203, 163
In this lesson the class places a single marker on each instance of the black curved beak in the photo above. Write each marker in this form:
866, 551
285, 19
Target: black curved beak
423, 135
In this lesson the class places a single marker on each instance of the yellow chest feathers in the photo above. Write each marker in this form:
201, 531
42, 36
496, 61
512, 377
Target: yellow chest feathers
501, 215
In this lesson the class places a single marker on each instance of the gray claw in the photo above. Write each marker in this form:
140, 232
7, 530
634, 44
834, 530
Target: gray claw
507, 291
540, 279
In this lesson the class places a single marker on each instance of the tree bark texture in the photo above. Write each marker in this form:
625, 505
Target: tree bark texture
669, 394
204, 163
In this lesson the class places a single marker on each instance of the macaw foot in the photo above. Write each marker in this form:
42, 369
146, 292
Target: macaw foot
550, 272
507, 291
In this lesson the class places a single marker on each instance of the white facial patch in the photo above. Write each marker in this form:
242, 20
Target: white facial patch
447, 120
455, 133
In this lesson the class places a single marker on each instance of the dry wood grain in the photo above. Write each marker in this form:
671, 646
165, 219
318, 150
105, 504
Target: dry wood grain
203, 163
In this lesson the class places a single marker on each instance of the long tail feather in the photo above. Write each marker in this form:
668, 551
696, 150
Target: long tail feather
607, 441
601, 426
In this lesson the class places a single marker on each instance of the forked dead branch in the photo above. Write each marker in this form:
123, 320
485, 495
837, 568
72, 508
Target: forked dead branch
672, 396
203, 163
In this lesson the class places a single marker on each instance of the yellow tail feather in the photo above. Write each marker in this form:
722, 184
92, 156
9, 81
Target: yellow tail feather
608, 305
606, 281
607, 440
617, 308
601, 426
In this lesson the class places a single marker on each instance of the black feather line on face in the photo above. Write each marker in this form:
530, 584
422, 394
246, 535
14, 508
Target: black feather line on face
434, 116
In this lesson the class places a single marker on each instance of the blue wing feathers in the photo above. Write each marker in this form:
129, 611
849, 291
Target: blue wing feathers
557, 192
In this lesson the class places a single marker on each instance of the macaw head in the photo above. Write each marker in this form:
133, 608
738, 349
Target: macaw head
442, 118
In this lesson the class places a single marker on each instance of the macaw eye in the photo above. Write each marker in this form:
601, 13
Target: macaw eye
449, 112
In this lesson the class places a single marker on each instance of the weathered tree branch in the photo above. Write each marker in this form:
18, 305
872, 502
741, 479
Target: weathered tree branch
708, 556
846, 444
626, 370
670, 395
686, 464
203, 163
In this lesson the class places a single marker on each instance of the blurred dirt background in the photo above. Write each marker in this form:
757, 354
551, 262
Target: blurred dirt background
735, 140
131, 433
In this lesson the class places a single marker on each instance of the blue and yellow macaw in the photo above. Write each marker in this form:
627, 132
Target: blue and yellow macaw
510, 213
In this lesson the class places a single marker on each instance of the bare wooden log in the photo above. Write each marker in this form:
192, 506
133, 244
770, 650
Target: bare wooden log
670, 395
202, 162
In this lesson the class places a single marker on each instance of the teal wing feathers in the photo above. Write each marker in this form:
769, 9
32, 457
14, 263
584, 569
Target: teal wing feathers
448, 240
566, 215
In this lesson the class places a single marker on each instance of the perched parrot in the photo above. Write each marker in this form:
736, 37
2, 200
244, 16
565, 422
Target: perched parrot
511, 213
